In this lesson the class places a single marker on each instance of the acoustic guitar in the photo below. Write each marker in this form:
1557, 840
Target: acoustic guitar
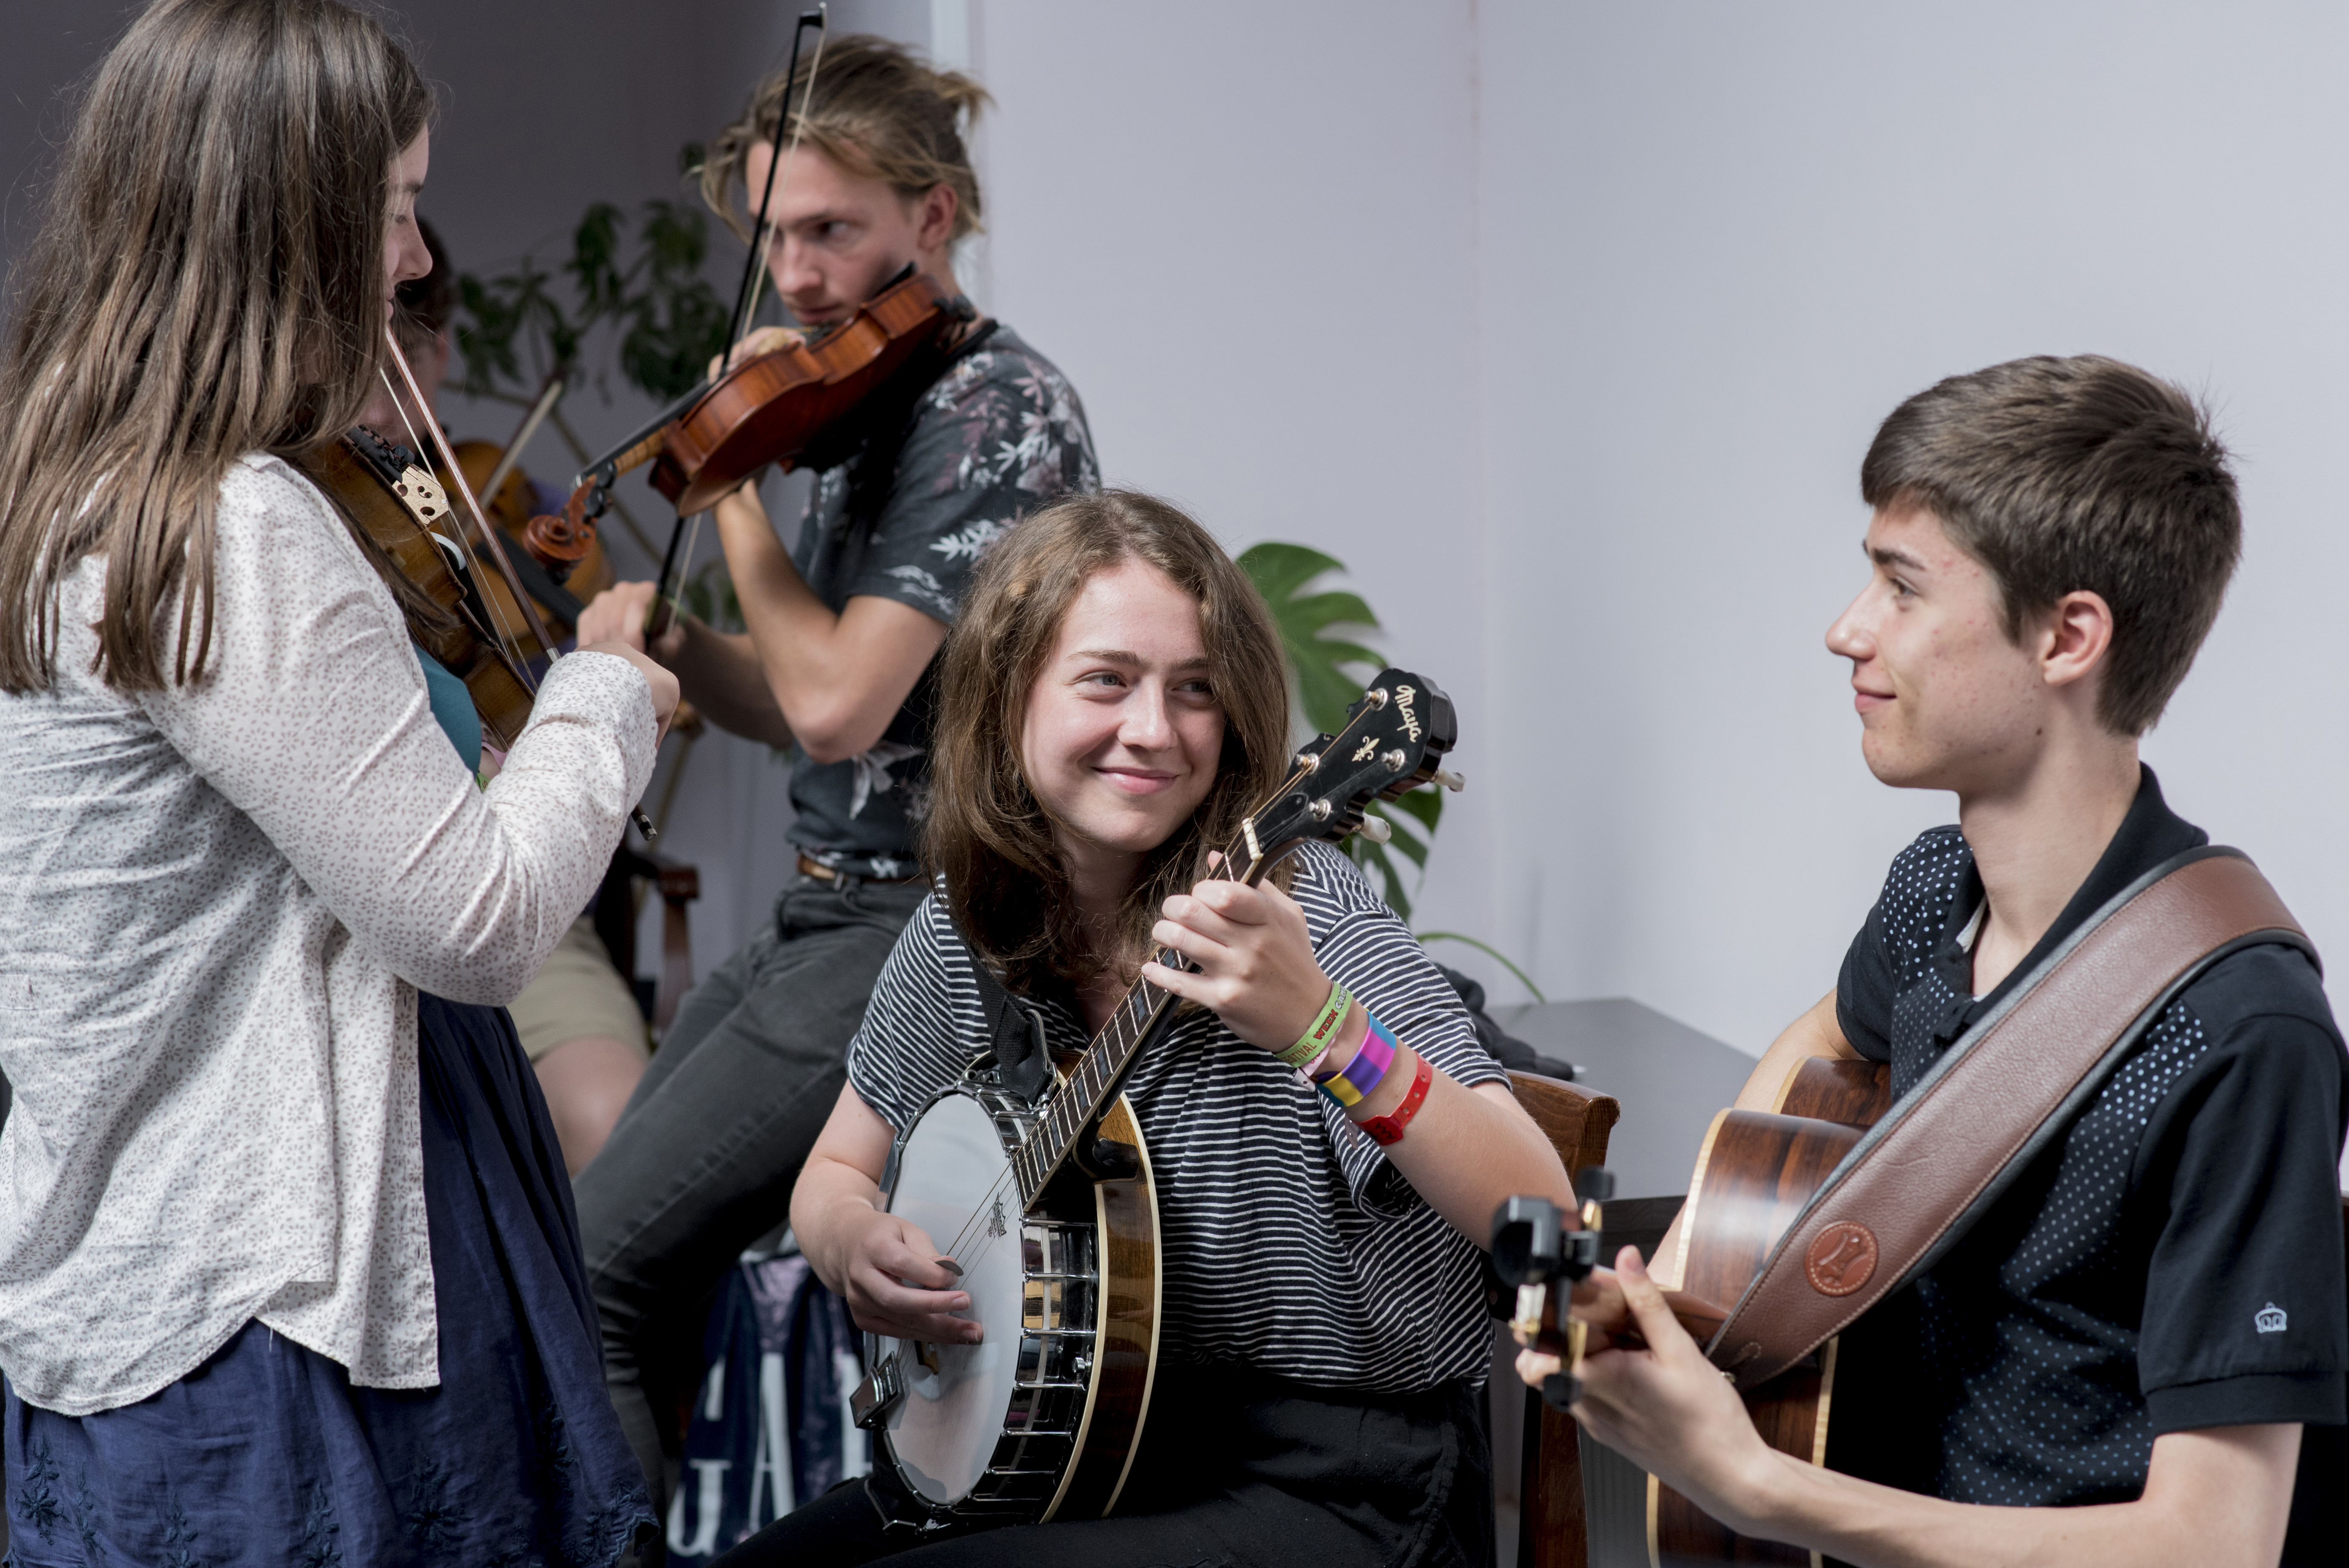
1755, 1172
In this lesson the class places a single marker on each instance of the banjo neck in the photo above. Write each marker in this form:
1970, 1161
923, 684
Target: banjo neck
1140, 1018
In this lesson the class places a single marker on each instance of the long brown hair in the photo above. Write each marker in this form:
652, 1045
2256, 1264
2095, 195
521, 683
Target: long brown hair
1007, 884
877, 111
208, 282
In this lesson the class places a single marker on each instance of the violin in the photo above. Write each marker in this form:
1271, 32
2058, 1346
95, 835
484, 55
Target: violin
439, 583
773, 408
559, 571
401, 517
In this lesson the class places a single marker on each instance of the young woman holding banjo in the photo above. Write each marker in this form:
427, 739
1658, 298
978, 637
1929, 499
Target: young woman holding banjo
1113, 706
288, 1268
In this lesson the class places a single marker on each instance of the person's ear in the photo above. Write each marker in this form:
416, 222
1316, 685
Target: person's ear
939, 205
2075, 635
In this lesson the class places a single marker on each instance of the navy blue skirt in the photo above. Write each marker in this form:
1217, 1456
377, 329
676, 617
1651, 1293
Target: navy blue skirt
267, 1455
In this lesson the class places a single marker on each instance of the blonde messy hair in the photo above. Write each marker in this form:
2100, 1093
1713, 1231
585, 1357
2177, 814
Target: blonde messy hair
878, 111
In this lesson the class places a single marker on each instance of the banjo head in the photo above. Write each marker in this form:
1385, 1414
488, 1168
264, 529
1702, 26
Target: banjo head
955, 1182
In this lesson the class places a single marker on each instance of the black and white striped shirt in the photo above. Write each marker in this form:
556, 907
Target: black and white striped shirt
1289, 1244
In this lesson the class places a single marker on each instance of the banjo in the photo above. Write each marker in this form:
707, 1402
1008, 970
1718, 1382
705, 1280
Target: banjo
1047, 1207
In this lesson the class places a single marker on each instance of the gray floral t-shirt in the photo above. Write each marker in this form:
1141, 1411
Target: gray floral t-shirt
905, 517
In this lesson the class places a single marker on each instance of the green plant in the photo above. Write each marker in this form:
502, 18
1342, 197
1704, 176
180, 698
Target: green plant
645, 299
1320, 656
517, 327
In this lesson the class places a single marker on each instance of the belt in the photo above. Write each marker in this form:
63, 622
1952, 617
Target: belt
822, 872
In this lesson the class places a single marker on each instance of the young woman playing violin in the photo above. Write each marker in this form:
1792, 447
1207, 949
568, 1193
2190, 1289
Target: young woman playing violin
287, 1267
835, 665
1111, 704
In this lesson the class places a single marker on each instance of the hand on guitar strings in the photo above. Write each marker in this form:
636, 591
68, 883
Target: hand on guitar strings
1255, 970
1650, 1395
899, 1283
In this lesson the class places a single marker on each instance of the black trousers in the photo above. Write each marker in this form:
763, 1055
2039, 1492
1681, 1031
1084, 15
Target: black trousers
1238, 1469
704, 1158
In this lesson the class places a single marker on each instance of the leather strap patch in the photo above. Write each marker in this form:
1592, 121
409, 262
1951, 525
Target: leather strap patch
1842, 1259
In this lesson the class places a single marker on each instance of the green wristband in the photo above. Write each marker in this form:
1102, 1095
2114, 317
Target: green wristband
1316, 1040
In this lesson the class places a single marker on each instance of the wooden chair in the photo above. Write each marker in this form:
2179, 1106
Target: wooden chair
1550, 1475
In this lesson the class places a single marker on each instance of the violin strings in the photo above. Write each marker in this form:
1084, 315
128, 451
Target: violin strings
426, 461
528, 610
799, 126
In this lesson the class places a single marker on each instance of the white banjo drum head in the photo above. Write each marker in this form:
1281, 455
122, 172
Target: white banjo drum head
955, 1182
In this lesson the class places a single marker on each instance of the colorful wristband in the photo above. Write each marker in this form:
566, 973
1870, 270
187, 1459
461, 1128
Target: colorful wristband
1317, 1039
1373, 1059
1387, 1128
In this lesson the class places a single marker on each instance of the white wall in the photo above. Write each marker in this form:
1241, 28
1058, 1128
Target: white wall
1566, 326
1249, 236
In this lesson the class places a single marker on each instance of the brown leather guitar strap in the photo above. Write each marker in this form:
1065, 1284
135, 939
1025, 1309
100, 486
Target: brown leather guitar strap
1999, 1097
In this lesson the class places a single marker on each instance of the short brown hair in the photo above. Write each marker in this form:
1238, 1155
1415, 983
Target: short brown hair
877, 110
986, 833
2063, 475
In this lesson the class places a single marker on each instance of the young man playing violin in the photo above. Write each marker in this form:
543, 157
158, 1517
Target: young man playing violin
2113, 1366
836, 665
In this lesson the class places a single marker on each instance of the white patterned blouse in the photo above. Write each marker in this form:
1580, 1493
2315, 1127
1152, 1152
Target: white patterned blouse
217, 902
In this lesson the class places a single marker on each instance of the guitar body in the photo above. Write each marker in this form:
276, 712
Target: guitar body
1754, 1175
1040, 1419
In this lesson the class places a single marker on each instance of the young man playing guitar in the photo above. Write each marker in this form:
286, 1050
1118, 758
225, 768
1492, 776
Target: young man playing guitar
836, 665
2118, 1358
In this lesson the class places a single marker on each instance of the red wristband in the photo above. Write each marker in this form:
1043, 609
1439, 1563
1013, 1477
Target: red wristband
1387, 1128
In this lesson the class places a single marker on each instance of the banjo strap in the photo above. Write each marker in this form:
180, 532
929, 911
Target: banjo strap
1015, 1033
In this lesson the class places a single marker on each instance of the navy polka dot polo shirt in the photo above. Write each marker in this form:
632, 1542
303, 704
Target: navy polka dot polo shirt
2174, 1262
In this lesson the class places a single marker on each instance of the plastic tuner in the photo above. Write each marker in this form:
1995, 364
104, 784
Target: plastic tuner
1444, 778
1376, 830
1593, 1187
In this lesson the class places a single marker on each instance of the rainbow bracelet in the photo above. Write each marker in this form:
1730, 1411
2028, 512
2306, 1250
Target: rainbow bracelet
1317, 1039
1372, 1062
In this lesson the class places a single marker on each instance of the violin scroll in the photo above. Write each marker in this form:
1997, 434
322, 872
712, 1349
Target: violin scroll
559, 541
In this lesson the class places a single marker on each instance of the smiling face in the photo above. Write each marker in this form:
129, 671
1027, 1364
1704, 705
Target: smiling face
838, 238
1946, 700
1124, 731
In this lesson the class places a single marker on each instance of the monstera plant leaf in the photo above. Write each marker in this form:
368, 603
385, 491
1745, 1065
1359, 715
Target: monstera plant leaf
1324, 664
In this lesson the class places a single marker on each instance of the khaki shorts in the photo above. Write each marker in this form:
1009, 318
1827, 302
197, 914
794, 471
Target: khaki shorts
576, 995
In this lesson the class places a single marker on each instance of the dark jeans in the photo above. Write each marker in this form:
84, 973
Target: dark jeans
1238, 1469
705, 1156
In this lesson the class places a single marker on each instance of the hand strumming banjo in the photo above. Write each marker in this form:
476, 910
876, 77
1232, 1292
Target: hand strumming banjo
1047, 1206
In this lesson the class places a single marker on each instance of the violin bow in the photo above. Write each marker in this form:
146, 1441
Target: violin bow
537, 625
682, 537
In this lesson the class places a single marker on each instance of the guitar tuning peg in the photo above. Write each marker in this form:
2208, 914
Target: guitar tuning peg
1375, 829
1444, 778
